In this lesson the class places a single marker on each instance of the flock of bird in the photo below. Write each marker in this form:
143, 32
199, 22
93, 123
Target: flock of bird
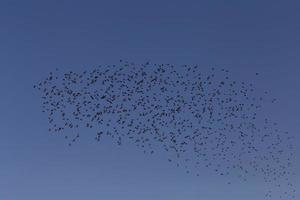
199, 118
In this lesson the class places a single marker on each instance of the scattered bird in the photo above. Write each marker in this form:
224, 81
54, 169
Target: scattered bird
201, 119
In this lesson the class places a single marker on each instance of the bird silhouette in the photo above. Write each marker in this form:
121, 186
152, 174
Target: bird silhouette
198, 118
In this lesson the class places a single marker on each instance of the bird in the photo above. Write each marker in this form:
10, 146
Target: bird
199, 118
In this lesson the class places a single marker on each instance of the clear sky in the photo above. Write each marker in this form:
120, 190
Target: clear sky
38, 36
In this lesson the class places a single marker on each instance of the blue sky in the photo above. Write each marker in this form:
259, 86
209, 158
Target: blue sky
38, 36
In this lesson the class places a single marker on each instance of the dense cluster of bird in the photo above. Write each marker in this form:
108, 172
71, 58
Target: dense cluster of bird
201, 118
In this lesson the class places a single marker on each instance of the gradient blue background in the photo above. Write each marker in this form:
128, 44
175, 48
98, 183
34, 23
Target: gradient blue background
38, 36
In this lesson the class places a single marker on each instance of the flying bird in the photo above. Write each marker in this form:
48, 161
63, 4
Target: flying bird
199, 118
